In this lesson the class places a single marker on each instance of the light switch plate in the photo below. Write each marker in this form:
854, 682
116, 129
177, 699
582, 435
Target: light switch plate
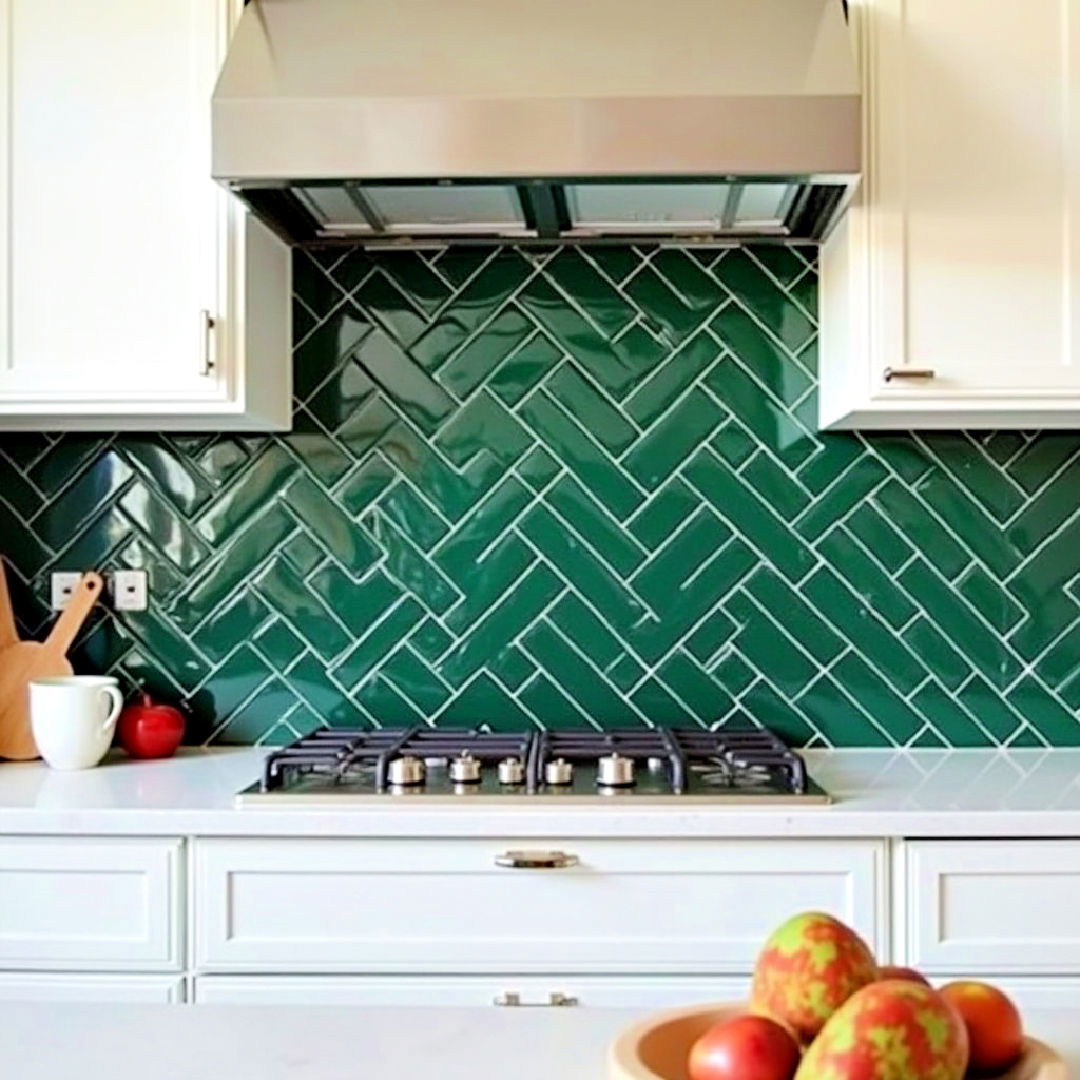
130, 590
62, 588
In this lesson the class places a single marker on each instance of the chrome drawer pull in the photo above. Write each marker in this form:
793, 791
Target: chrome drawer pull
208, 323
511, 999
919, 374
536, 860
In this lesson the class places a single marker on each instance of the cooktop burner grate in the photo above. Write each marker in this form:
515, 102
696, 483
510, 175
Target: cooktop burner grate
677, 760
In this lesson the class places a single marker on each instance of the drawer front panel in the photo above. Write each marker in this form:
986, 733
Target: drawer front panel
90, 903
992, 906
151, 989
482, 991
446, 906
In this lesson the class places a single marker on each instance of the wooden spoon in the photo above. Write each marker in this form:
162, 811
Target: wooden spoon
24, 661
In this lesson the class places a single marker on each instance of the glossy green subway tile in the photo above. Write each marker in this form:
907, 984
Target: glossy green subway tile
937, 653
511, 667
659, 452
580, 486
510, 615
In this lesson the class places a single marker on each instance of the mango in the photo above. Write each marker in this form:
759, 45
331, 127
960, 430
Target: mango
892, 1030
808, 968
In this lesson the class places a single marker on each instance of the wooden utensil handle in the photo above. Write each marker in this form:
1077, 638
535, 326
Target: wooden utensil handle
74, 615
8, 634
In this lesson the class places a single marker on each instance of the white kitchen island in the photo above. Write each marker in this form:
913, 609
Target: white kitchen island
134, 1042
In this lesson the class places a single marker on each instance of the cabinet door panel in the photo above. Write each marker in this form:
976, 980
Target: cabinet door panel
91, 903
977, 132
959, 261
114, 221
633, 906
993, 907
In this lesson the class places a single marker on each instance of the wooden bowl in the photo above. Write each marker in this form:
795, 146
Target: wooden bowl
658, 1047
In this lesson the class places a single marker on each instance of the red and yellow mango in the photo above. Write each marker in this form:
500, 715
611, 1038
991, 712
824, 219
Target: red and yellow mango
893, 1030
808, 968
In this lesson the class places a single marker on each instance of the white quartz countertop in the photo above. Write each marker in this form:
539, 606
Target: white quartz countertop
133, 1042
877, 793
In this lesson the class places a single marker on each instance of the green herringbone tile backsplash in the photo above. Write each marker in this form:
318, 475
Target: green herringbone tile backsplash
570, 488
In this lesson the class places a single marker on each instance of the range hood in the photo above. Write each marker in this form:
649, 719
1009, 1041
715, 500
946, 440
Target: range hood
479, 121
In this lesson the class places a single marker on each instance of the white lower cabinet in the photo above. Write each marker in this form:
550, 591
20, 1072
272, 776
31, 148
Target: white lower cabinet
991, 907
91, 903
452, 906
508, 991
552, 923
57, 986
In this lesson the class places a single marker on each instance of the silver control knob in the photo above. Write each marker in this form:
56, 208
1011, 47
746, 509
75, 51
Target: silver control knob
614, 770
405, 771
465, 769
558, 773
511, 771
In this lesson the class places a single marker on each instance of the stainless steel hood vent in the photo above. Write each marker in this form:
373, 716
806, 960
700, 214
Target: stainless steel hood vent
480, 121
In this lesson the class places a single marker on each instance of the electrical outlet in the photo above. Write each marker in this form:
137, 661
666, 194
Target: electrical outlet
130, 590
62, 588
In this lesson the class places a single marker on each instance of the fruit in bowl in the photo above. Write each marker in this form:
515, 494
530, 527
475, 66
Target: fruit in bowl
808, 968
821, 1009
745, 1048
891, 1030
993, 1024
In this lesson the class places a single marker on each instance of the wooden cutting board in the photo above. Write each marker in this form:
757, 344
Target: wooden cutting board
8, 634
23, 661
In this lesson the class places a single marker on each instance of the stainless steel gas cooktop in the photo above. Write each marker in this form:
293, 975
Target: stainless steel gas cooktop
646, 765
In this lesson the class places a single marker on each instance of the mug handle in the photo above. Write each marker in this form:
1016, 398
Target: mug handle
117, 698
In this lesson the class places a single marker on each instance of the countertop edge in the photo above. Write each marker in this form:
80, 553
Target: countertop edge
879, 794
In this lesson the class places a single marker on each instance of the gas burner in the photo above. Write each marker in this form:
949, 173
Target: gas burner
730, 764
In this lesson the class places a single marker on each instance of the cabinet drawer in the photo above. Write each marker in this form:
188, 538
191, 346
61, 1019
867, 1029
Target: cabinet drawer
987, 906
29, 986
428, 906
483, 991
93, 903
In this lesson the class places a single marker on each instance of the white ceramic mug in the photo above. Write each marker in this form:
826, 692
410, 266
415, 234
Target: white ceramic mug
73, 718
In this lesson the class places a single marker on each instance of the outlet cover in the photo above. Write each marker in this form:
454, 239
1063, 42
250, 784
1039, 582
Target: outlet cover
130, 590
62, 588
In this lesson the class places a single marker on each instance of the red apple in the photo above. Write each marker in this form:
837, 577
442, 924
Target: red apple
905, 973
149, 730
746, 1048
993, 1024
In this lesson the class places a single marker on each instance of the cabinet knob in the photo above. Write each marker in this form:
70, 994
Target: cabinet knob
910, 374
536, 860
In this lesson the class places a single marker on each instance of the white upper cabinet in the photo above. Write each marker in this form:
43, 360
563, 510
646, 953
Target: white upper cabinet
134, 292
950, 294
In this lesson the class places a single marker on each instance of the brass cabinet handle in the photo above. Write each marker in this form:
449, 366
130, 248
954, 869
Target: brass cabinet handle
536, 860
915, 374
208, 323
511, 999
